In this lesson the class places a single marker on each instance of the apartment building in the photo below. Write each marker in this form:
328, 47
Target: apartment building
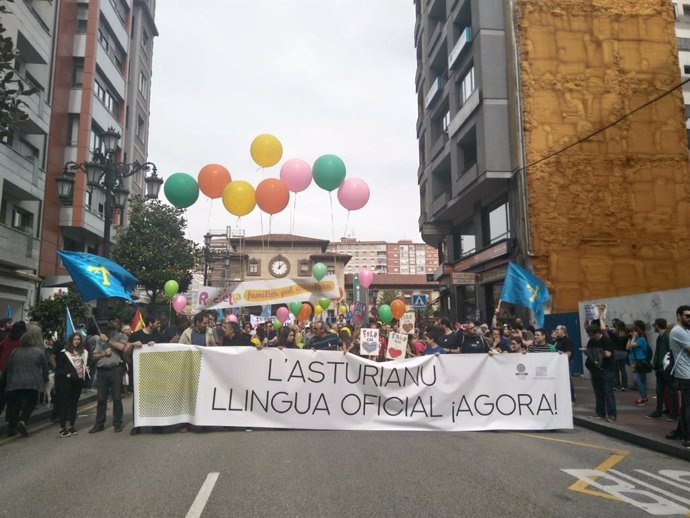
402, 257
103, 55
681, 11
23, 156
509, 93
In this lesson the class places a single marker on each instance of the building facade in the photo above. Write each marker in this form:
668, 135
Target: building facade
681, 11
23, 156
509, 92
103, 52
404, 257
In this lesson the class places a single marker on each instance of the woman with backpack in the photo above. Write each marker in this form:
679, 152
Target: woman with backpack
638, 353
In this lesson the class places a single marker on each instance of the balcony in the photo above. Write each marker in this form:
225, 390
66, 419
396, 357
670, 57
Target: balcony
27, 174
439, 203
20, 249
116, 23
102, 116
433, 92
464, 113
463, 42
112, 73
466, 178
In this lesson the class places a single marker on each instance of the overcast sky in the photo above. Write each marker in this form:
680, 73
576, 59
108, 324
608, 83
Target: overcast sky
324, 76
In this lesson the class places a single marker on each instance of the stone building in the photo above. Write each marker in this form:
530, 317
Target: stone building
512, 95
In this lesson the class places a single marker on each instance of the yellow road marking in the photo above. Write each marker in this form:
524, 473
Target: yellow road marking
43, 426
582, 486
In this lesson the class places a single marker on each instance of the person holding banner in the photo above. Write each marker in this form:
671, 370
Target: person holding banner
233, 335
286, 339
199, 333
323, 340
431, 337
110, 368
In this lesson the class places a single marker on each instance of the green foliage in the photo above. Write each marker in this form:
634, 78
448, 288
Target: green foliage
50, 313
12, 87
154, 248
387, 296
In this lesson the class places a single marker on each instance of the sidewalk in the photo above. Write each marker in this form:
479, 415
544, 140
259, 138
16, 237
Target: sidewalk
42, 413
631, 424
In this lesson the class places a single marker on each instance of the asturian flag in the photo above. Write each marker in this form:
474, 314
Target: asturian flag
97, 277
525, 289
69, 325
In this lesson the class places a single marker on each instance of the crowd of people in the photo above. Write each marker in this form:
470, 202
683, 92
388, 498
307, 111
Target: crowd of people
104, 360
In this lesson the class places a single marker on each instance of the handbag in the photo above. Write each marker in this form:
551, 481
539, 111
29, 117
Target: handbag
668, 364
643, 366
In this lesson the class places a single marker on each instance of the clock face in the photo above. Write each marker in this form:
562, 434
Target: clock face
279, 267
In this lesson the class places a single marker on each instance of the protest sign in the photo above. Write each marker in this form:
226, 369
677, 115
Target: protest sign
407, 322
397, 346
368, 342
288, 388
359, 313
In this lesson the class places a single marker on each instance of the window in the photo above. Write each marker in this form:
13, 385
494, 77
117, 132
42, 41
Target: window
103, 39
686, 70
498, 223
96, 141
145, 40
82, 18
331, 270
72, 130
77, 71
465, 241
142, 83
304, 267
254, 267
141, 128
22, 220
683, 43
467, 85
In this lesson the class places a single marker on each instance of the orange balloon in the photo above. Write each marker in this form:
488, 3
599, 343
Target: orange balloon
212, 180
272, 195
304, 312
398, 309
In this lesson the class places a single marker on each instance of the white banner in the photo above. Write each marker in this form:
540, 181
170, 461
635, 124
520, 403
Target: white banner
245, 386
262, 292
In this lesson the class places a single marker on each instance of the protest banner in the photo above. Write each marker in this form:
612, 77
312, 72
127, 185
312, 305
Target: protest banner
368, 342
288, 388
359, 313
397, 346
407, 322
265, 292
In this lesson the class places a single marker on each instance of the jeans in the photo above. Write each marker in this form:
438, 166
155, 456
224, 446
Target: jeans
684, 386
70, 390
602, 383
619, 360
20, 405
662, 385
641, 384
109, 381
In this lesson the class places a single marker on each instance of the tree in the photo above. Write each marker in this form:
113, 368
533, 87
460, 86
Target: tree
388, 296
153, 247
12, 87
50, 313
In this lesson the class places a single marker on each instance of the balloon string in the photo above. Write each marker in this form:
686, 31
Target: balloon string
208, 220
292, 223
330, 196
347, 220
261, 220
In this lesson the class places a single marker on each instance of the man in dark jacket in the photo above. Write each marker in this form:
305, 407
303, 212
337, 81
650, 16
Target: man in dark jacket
602, 371
663, 383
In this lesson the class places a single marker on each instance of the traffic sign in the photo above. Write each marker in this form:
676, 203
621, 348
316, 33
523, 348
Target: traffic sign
418, 301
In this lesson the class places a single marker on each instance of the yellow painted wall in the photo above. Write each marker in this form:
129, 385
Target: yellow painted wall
609, 216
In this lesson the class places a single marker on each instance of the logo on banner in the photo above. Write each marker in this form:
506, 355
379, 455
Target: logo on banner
521, 371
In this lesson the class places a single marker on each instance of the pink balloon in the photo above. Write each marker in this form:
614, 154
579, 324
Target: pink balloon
366, 277
232, 318
282, 315
353, 194
179, 302
296, 173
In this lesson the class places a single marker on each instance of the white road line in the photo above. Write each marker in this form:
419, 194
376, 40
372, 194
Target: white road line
664, 480
203, 496
650, 486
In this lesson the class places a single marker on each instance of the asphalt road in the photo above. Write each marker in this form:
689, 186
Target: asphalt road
313, 473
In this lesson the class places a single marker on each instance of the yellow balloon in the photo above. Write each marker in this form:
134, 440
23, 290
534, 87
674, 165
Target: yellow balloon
318, 309
342, 310
266, 150
239, 198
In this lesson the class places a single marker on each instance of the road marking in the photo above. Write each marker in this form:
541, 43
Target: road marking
203, 496
650, 486
582, 486
664, 480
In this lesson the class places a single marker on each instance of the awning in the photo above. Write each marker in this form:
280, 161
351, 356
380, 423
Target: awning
57, 281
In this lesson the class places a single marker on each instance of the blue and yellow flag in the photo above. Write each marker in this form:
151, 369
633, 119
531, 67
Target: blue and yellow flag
69, 325
525, 289
97, 277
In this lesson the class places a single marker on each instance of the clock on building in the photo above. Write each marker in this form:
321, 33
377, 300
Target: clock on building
279, 266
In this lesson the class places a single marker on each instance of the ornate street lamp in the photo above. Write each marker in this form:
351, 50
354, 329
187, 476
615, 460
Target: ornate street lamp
105, 173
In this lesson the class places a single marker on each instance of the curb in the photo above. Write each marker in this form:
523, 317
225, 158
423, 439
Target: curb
42, 413
636, 438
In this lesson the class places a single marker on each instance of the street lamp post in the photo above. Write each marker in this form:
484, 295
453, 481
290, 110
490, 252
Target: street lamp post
106, 173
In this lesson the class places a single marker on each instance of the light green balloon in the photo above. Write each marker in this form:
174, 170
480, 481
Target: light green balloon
171, 288
300, 345
319, 271
329, 172
277, 324
325, 303
295, 307
385, 314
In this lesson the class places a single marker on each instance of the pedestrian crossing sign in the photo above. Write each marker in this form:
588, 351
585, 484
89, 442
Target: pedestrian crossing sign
418, 301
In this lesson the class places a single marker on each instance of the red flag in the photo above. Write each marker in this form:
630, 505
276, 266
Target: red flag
137, 321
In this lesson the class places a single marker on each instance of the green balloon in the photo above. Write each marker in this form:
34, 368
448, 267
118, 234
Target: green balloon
181, 190
300, 345
325, 303
385, 314
319, 271
171, 288
277, 324
295, 307
328, 172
